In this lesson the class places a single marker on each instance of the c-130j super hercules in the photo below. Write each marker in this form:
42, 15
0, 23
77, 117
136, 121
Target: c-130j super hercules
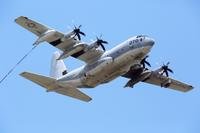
128, 59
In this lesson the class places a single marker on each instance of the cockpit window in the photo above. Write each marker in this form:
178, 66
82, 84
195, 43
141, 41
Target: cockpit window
141, 36
138, 36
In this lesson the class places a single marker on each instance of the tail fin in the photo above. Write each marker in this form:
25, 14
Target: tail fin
58, 68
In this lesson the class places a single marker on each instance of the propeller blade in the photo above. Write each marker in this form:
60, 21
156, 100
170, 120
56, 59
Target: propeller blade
104, 42
147, 63
166, 69
103, 47
143, 65
144, 62
167, 64
146, 57
78, 32
79, 37
170, 70
166, 72
82, 33
100, 42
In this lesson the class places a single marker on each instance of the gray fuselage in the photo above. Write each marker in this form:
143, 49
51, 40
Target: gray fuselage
110, 65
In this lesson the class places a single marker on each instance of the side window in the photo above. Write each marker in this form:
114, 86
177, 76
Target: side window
130, 42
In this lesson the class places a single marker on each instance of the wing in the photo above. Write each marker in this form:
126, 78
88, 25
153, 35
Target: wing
66, 43
56, 39
157, 79
33, 26
51, 85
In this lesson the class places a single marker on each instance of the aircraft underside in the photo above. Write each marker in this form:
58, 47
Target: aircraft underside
110, 71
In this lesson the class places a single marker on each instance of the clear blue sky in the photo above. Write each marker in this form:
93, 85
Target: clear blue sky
174, 24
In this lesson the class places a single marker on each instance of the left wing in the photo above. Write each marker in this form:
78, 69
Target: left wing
67, 43
32, 26
156, 78
54, 37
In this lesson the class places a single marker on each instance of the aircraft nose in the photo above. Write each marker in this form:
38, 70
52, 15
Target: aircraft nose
151, 42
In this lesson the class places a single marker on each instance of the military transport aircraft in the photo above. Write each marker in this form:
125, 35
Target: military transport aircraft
127, 59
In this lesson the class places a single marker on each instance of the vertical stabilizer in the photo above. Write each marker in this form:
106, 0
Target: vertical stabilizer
58, 68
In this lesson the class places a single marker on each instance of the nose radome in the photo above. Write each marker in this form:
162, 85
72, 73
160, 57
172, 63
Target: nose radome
151, 41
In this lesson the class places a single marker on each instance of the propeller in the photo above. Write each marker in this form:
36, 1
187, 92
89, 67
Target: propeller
100, 42
166, 69
77, 32
144, 62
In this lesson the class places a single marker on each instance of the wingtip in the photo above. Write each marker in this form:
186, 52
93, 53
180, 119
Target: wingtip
89, 99
23, 73
20, 17
16, 19
191, 87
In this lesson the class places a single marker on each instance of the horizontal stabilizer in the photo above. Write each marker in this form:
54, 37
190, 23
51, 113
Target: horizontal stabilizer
51, 84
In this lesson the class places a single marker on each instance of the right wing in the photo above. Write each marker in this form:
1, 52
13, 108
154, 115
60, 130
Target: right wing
51, 85
160, 80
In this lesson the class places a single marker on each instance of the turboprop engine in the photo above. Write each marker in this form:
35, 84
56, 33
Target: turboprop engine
45, 36
76, 48
76, 32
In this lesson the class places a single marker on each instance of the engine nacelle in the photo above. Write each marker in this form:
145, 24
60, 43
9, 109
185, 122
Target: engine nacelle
93, 45
166, 83
71, 51
145, 75
67, 36
45, 36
